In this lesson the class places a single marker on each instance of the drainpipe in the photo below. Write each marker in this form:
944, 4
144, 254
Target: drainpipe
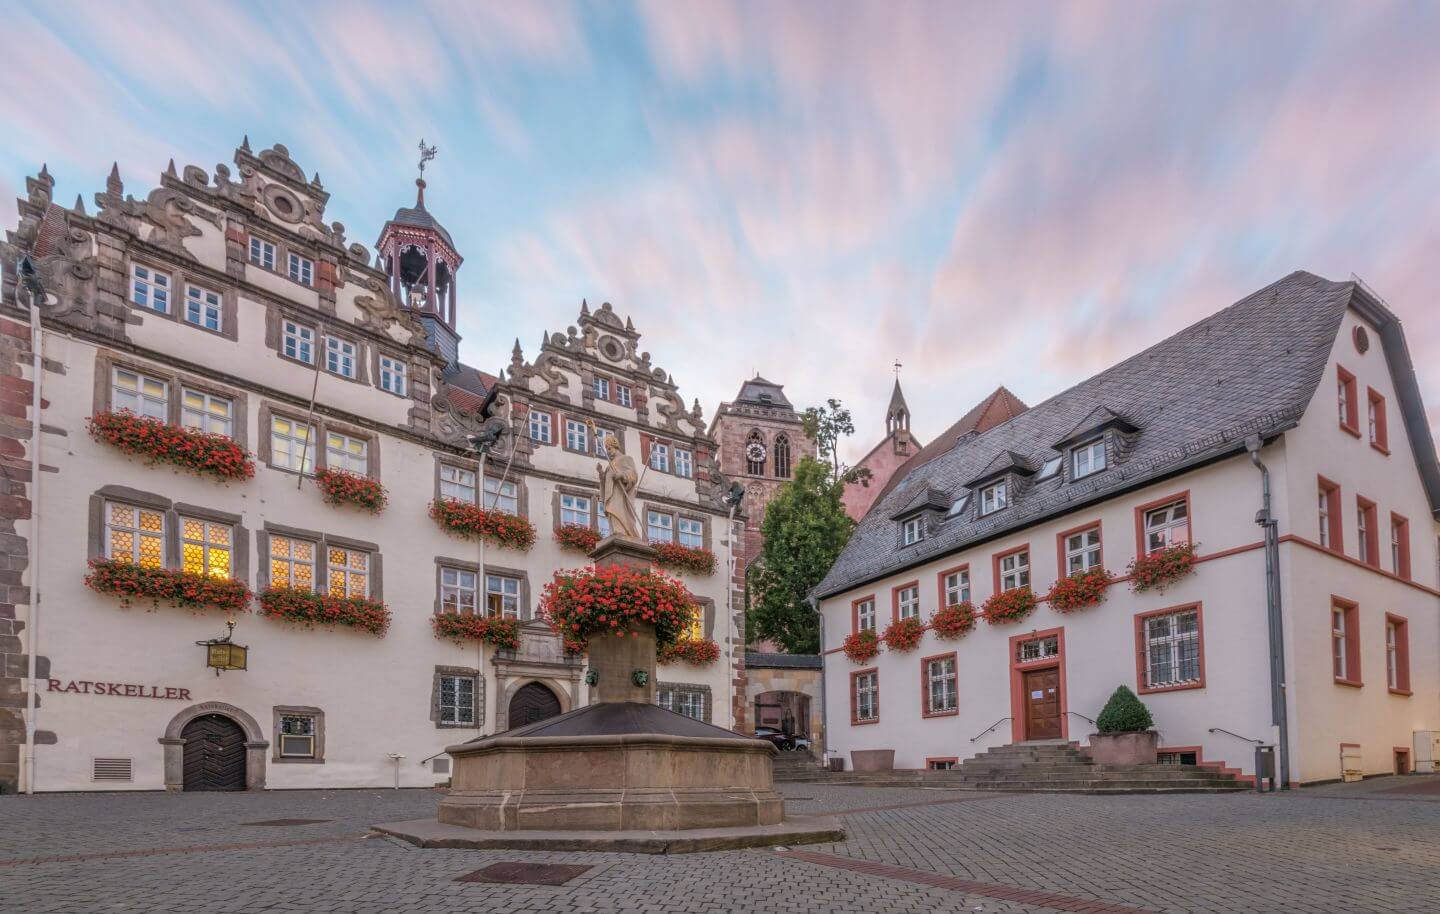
31, 281
1279, 711
824, 717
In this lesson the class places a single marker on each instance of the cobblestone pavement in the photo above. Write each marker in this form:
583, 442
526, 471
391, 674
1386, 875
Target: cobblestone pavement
1342, 848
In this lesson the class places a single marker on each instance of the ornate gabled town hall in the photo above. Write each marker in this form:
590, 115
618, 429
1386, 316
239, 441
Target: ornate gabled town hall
1264, 478
248, 419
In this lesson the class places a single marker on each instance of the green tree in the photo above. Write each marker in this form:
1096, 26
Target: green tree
805, 528
826, 425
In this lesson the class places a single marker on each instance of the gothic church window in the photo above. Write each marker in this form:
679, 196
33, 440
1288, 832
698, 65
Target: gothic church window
782, 456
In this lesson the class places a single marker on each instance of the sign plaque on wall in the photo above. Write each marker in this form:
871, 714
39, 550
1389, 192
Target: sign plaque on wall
118, 689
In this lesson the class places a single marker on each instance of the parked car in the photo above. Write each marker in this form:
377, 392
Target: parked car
775, 738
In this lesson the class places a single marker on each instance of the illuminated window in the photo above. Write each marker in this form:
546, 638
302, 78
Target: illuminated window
134, 535
349, 571
292, 563
205, 547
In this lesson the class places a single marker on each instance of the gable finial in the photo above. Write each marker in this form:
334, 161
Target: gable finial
113, 185
245, 143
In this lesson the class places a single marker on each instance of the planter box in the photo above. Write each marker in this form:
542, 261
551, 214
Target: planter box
837, 763
1124, 748
872, 760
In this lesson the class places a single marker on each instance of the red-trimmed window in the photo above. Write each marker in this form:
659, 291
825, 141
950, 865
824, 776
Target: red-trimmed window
954, 586
1012, 569
865, 696
1345, 641
1400, 545
939, 686
862, 614
1397, 654
1329, 508
905, 601
1348, 401
1170, 649
1367, 525
1377, 425
1164, 524
1079, 549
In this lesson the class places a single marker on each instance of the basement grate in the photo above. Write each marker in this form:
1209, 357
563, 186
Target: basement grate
285, 823
514, 873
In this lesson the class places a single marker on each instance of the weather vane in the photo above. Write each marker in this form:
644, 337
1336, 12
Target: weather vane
426, 154
898, 366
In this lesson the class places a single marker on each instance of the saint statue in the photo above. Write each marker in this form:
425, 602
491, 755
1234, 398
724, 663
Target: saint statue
618, 480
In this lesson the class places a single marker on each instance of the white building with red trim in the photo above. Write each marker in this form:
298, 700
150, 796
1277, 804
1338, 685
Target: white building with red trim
1305, 386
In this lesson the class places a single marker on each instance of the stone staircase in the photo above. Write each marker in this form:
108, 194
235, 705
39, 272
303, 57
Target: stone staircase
1032, 768
798, 765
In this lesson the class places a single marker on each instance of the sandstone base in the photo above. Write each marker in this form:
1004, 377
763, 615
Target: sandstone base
795, 830
1125, 748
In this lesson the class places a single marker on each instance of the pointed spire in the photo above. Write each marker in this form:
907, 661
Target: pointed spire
897, 415
628, 325
113, 185
584, 308
315, 181
45, 172
516, 352
170, 169
79, 204
245, 143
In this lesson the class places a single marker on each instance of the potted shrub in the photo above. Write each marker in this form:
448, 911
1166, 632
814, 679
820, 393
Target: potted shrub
1009, 605
904, 634
577, 536
951, 622
1079, 590
1125, 736
341, 487
862, 646
1161, 568
690, 559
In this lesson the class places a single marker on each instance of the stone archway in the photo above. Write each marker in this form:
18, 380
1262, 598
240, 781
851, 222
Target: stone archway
174, 743
502, 707
786, 711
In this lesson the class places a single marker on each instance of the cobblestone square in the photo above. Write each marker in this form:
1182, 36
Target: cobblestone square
1368, 847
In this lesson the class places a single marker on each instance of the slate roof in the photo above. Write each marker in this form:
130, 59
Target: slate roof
1000, 406
771, 661
759, 391
1251, 368
470, 387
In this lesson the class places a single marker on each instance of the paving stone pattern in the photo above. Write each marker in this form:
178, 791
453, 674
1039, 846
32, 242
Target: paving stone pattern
1343, 848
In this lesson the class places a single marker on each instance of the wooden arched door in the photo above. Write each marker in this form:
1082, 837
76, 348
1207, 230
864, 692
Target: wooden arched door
214, 754
532, 702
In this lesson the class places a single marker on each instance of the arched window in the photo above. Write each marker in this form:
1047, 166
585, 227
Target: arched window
755, 454
782, 456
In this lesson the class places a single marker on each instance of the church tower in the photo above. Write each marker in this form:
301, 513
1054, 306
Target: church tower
897, 417
417, 254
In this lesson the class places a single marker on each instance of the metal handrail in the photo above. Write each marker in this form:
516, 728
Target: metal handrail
1258, 742
989, 728
1084, 718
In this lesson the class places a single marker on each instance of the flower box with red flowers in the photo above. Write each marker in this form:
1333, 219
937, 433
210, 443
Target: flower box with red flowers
1079, 590
862, 646
1161, 568
497, 630
195, 592
951, 622
611, 600
904, 634
309, 608
341, 487
694, 651
1009, 605
577, 536
463, 519
190, 449
689, 559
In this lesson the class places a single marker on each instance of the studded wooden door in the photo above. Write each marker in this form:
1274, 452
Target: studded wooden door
214, 754
531, 703
1042, 704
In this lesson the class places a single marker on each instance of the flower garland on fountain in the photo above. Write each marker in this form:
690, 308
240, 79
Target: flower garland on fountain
611, 600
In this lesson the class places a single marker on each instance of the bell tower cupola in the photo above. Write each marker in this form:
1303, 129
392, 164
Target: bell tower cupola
422, 263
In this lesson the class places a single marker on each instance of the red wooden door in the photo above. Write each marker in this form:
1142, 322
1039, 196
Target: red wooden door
1042, 704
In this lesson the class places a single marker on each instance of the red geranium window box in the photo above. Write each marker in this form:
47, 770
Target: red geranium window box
190, 449
463, 519
862, 646
310, 609
577, 536
341, 487
195, 592
497, 630
1161, 568
904, 634
1079, 590
694, 651
951, 622
1009, 605
692, 559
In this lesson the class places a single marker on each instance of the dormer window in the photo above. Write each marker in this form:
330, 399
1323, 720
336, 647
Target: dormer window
912, 531
1087, 458
958, 505
994, 497
1051, 468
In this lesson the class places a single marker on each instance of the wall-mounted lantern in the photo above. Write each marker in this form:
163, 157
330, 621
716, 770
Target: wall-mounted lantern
224, 654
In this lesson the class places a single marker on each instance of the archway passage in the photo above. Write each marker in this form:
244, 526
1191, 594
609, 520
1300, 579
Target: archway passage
532, 702
214, 757
788, 712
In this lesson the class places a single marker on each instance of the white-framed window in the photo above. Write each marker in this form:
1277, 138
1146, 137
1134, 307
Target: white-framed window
502, 495
150, 288
1015, 570
622, 395
1172, 649
457, 700
297, 736
393, 374
866, 696
458, 590
1392, 653
292, 563
134, 535
994, 497
660, 457
1344, 395
1035, 649
298, 342
348, 453
1088, 458
206, 412
1362, 527
941, 695
907, 602
502, 596
575, 509
340, 357
912, 531
601, 386
206, 547
1082, 551
302, 270
602, 523
577, 436
541, 429
1168, 525
349, 572
457, 483
1397, 550
1339, 641
865, 615
689, 702
262, 253
292, 444
1324, 501
691, 532
957, 587
1373, 420
600, 435
202, 307
684, 463
660, 527
140, 394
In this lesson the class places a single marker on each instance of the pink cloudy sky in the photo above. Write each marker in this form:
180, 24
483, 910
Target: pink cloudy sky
1013, 194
